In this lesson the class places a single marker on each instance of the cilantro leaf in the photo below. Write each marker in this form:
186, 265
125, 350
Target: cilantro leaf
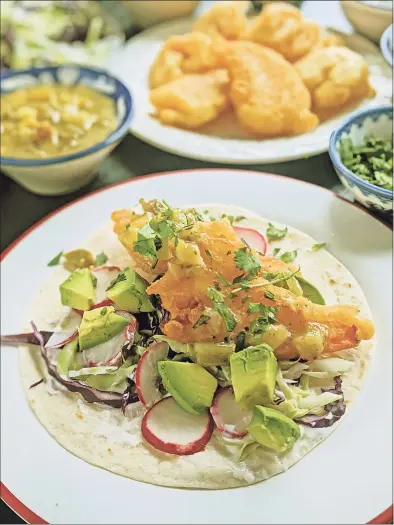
103, 311
275, 252
119, 278
222, 309
274, 233
269, 295
94, 280
267, 317
288, 257
203, 320
215, 295
222, 280
148, 243
239, 218
318, 246
226, 314
246, 261
101, 258
164, 229
208, 253
56, 260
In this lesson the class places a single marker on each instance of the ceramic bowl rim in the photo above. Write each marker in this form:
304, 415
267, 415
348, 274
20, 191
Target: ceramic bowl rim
336, 158
384, 47
113, 137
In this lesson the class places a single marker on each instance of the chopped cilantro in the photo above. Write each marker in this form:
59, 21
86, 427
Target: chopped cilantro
226, 314
229, 252
223, 281
288, 257
94, 280
56, 260
318, 246
246, 261
274, 233
119, 278
206, 212
208, 253
164, 229
221, 308
127, 226
215, 295
148, 243
101, 258
103, 310
239, 218
203, 320
269, 295
275, 252
212, 219
267, 317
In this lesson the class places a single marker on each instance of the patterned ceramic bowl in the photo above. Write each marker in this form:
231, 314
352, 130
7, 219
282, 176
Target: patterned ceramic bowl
60, 175
376, 122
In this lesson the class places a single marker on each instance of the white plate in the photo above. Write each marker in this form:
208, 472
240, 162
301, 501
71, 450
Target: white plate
346, 479
221, 141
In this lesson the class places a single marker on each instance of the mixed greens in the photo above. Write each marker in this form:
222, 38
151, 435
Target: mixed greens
372, 161
36, 33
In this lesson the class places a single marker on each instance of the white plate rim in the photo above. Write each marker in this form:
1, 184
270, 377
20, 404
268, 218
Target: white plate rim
6, 495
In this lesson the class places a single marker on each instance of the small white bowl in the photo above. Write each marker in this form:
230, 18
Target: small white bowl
368, 18
68, 173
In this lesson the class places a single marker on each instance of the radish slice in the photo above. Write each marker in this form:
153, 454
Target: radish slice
253, 238
131, 328
65, 331
169, 428
106, 302
146, 374
59, 339
104, 275
230, 419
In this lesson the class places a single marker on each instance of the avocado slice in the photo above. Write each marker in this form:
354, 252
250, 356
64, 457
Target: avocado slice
213, 354
253, 374
99, 325
310, 292
66, 357
273, 429
130, 293
190, 385
77, 291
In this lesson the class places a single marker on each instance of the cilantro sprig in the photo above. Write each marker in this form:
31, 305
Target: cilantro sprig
217, 298
274, 233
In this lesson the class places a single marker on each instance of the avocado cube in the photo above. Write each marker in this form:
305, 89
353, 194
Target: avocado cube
213, 354
99, 326
253, 374
130, 294
273, 429
190, 385
77, 291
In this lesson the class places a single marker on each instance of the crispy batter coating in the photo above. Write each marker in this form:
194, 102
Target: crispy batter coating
192, 100
224, 20
180, 54
282, 27
335, 77
267, 93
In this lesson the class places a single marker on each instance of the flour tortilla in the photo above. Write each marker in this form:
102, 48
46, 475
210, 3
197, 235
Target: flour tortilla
104, 437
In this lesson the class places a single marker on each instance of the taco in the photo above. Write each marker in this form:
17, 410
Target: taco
200, 348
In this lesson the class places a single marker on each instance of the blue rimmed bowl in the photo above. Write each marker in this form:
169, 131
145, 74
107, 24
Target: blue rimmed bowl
60, 175
376, 122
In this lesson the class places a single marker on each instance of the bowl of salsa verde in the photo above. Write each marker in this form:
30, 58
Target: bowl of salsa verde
58, 123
